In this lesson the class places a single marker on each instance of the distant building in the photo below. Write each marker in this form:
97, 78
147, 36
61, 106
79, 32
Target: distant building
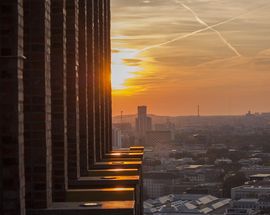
266, 114
155, 183
116, 138
246, 203
127, 133
186, 160
249, 192
259, 177
241, 211
223, 161
143, 122
157, 137
255, 169
168, 126
165, 126
184, 204
124, 127
250, 200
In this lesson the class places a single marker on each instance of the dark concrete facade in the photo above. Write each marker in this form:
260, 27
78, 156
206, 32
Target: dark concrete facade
97, 82
37, 103
91, 82
108, 100
73, 132
83, 86
55, 99
12, 183
59, 96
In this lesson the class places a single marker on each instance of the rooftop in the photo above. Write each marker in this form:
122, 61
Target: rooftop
185, 204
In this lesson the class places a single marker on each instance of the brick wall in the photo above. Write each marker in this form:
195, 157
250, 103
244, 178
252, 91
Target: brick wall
108, 104
59, 107
12, 182
102, 88
97, 84
91, 83
73, 89
56, 102
83, 90
37, 103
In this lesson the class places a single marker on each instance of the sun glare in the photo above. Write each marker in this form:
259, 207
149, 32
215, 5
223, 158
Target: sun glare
124, 68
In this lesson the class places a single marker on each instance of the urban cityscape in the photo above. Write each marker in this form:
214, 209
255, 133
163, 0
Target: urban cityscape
201, 164
191, 84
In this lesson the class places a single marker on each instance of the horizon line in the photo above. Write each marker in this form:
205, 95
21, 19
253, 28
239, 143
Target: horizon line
202, 115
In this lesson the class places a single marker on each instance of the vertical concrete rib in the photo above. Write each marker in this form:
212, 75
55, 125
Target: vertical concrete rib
83, 86
97, 84
91, 83
37, 103
72, 7
102, 76
108, 75
12, 181
59, 106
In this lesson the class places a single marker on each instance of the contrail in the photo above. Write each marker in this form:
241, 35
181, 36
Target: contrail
226, 42
197, 31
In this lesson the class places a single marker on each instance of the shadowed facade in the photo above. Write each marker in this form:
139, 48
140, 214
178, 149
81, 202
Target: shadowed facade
55, 96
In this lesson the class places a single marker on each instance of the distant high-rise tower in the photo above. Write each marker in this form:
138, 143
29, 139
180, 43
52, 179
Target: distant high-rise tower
116, 138
143, 122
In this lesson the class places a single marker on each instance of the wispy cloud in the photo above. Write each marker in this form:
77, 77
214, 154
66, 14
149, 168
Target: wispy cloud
227, 43
208, 27
168, 56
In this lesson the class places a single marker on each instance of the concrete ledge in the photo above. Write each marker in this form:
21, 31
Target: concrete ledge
102, 194
105, 158
113, 172
124, 155
74, 208
118, 164
105, 182
137, 148
126, 151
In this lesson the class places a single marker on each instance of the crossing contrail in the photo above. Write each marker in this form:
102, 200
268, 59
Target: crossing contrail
226, 42
197, 31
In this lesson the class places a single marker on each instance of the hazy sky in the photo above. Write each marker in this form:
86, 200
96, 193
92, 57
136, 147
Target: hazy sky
172, 55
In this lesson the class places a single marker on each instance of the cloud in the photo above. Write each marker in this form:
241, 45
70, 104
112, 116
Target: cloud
263, 59
199, 20
132, 62
198, 67
115, 51
146, 1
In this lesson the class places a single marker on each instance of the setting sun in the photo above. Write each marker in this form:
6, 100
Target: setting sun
125, 66
173, 55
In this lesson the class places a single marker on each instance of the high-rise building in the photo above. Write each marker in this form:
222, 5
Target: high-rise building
55, 113
116, 138
143, 122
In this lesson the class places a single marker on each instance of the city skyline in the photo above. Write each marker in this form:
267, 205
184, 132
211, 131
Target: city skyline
173, 55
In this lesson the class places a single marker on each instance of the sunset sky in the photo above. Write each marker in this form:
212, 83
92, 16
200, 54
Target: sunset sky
172, 55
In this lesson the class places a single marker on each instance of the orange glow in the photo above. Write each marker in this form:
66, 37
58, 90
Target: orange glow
128, 65
134, 153
171, 63
117, 162
120, 170
115, 154
132, 162
120, 189
121, 71
125, 153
